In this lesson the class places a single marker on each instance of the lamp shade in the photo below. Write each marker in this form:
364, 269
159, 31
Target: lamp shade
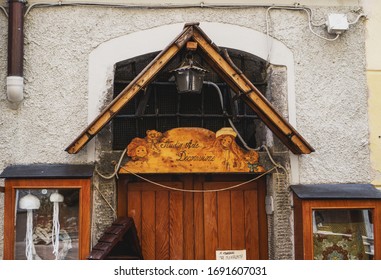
189, 79
29, 202
56, 197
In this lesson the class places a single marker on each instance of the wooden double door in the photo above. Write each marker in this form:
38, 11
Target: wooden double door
195, 215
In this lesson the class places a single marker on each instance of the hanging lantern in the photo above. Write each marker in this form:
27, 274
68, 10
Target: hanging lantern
189, 78
56, 198
29, 203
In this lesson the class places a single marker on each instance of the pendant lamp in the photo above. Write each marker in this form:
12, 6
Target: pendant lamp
56, 198
188, 77
29, 203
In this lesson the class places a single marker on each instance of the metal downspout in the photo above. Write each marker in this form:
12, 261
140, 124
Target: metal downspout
15, 80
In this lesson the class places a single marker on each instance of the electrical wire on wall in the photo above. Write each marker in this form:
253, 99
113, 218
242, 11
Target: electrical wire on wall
310, 24
276, 164
4, 11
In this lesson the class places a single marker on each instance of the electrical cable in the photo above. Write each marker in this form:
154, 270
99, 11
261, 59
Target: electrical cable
147, 6
277, 165
4, 11
310, 24
357, 19
230, 121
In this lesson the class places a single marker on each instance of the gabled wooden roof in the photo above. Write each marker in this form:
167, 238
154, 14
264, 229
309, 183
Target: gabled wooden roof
221, 63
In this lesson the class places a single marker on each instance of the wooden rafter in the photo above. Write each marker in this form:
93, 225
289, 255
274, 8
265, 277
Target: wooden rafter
140, 82
224, 67
252, 96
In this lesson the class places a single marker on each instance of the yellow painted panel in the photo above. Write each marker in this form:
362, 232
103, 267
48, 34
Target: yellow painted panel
372, 9
374, 84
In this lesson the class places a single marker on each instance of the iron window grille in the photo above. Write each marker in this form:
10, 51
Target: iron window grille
161, 107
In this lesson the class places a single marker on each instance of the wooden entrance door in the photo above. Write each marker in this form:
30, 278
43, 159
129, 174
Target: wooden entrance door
174, 224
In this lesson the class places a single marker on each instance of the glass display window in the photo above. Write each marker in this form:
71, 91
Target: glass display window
53, 226
47, 219
337, 222
343, 234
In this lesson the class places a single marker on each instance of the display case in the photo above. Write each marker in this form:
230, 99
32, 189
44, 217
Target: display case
47, 212
337, 222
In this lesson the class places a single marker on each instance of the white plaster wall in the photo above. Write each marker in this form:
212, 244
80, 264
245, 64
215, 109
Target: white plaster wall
3, 132
331, 94
330, 83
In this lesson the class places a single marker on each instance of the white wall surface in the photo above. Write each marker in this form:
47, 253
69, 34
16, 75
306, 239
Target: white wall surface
206, 2
330, 85
330, 82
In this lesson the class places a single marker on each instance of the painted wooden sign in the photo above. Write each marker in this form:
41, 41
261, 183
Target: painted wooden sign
190, 150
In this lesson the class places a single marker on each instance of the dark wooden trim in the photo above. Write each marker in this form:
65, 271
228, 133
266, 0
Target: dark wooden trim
48, 171
262, 223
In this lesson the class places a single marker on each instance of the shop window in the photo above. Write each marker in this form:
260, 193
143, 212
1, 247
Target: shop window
160, 107
337, 222
343, 234
47, 212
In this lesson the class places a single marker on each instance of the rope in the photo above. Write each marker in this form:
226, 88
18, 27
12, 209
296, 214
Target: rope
105, 199
29, 246
276, 164
116, 169
199, 191
56, 229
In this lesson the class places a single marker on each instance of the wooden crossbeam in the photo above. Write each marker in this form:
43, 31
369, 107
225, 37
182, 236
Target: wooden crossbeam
140, 82
224, 67
252, 96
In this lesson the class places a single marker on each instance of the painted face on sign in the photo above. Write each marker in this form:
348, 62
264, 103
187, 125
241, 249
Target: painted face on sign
226, 141
141, 151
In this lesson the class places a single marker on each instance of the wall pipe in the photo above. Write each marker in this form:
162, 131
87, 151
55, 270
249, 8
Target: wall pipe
15, 79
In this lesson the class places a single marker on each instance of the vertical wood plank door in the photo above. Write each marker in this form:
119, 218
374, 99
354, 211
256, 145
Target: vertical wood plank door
193, 218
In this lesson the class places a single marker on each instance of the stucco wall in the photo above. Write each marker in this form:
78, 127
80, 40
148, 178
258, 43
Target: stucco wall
330, 83
373, 41
3, 133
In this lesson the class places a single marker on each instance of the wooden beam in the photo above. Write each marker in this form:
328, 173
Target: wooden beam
224, 67
191, 46
252, 96
140, 82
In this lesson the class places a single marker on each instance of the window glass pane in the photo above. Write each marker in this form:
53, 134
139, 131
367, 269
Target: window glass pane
35, 217
343, 234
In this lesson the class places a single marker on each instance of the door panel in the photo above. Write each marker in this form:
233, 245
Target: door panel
193, 225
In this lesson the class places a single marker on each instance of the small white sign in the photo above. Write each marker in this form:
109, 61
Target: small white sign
231, 255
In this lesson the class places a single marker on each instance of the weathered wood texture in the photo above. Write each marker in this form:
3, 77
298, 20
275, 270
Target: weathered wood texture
224, 67
119, 241
190, 150
179, 225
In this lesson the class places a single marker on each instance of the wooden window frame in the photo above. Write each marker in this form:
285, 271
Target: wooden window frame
304, 228
83, 185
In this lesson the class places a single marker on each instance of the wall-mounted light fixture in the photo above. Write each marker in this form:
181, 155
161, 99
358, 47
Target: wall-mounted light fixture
188, 77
